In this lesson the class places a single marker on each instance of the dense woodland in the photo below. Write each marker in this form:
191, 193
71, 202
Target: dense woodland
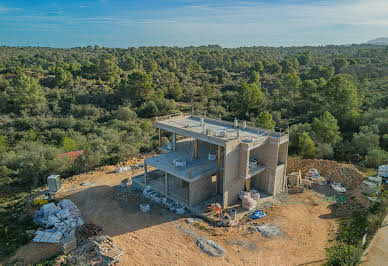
334, 100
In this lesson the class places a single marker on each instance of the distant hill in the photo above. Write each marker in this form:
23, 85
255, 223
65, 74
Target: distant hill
379, 41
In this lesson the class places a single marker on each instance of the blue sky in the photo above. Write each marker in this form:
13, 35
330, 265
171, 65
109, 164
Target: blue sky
119, 23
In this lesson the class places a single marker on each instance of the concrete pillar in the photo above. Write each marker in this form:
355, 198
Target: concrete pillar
173, 141
145, 174
202, 121
235, 122
244, 124
189, 194
196, 149
219, 157
165, 184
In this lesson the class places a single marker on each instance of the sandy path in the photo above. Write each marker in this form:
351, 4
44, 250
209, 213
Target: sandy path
377, 252
153, 238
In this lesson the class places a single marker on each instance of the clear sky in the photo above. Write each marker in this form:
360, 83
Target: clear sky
127, 23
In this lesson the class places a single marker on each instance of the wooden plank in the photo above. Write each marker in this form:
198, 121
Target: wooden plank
248, 184
196, 148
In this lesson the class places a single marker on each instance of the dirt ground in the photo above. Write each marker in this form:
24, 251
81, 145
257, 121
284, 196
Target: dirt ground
155, 238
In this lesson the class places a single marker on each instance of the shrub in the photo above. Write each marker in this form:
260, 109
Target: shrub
343, 254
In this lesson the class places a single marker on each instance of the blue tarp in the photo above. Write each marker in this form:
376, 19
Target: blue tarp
257, 214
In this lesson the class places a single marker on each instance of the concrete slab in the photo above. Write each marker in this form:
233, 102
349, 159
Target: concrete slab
195, 169
221, 131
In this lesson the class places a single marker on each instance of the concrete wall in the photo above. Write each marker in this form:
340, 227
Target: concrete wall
267, 154
283, 151
244, 162
280, 179
232, 182
201, 190
177, 188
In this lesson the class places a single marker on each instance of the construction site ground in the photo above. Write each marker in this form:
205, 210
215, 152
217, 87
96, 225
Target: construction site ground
157, 237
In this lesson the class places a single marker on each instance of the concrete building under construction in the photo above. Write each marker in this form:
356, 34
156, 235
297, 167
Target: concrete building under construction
210, 159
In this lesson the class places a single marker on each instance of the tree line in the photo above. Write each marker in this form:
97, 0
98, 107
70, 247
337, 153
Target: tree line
333, 98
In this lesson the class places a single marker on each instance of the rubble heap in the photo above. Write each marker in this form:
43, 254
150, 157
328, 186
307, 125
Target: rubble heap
98, 250
346, 174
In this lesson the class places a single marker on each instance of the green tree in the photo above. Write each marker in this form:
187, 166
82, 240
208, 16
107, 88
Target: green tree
376, 157
264, 120
274, 68
254, 77
342, 98
3, 144
258, 66
175, 91
149, 65
306, 146
305, 58
24, 94
63, 78
339, 64
364, 140
137, 87
326, 129
250, 100
294, 133
68, 144
129, 63
108, 69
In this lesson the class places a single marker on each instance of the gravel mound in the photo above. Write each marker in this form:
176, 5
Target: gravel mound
210, 247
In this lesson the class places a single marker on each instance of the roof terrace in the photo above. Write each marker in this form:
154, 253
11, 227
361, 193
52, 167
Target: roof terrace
218, 131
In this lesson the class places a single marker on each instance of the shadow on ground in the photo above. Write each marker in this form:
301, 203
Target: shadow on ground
117, 212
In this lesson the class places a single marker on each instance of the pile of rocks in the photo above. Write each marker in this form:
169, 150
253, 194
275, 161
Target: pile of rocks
346, 174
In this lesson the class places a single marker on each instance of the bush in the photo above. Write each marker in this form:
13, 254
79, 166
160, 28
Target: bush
343, 254
376, 157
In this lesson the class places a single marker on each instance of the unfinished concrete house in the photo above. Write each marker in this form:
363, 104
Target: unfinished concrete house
213, 160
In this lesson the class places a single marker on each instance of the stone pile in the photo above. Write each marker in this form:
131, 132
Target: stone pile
346, 174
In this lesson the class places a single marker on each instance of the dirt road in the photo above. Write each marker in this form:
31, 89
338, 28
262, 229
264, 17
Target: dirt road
155, 238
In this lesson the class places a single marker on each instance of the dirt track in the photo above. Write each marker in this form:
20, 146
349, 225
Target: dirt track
153, 238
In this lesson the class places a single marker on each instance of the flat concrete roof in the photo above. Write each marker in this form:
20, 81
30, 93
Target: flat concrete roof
196, 168
191, 126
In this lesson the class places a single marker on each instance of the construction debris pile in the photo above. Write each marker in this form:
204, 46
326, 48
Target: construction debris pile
161, 200
58, 221
348, 175
98, 250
